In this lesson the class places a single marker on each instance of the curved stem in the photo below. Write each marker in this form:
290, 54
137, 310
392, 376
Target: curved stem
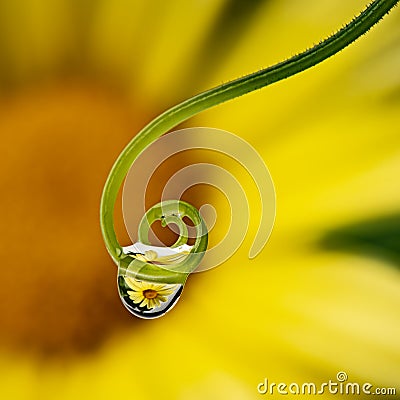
188, 108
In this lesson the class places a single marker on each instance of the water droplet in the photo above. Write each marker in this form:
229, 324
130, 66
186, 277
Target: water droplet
156, 295
151, 278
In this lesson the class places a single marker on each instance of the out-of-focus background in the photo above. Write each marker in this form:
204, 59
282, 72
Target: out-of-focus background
78, 80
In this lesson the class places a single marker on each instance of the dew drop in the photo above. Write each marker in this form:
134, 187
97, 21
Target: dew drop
144, 298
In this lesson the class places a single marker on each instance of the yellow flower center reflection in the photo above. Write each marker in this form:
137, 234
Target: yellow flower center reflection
147, 294
150, 294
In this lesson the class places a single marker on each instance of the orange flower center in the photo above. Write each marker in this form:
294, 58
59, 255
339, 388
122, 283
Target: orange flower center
150, 293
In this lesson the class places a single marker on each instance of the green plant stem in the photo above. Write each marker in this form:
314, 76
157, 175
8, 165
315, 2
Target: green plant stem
188, 108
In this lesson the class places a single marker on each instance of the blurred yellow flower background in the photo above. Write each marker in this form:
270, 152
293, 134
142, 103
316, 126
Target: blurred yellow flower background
78, 80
